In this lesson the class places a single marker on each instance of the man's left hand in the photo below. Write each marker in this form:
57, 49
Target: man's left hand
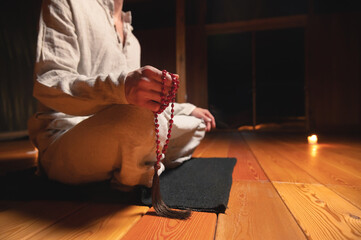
206, 116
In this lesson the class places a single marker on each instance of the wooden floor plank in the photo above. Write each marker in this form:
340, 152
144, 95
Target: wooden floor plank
339, 172
7, 204
247, 167
24, 220
95, 221
209, 138
255, 211
276, 167
217, 146
333, 167
321, 213
200, 226
350, 193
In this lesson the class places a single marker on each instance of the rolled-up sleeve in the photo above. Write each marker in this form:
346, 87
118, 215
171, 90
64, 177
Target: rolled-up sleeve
58, 84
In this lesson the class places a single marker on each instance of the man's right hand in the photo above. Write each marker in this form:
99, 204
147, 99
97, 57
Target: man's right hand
143, 87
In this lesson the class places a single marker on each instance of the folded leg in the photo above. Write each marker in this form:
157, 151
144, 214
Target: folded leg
115, 143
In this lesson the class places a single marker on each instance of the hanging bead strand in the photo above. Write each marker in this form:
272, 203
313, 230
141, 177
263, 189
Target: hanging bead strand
166, 99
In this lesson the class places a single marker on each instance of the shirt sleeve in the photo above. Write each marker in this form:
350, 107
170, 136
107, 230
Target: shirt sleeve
58, 85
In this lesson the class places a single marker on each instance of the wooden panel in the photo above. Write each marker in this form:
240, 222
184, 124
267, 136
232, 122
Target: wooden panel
181, 50
257, 25
197, 82
199, 226
333, 71
196, 51
274, 164
17, 149
255, 211
158, 48
321, 213
25, 220
17, 155
247, 167
95, 221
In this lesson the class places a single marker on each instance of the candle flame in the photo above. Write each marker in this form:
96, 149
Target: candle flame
312, 139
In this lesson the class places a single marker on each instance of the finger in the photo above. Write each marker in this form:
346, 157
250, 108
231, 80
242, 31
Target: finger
212, 119
156, 74
151, 105
208, 128
152, 96
153, 85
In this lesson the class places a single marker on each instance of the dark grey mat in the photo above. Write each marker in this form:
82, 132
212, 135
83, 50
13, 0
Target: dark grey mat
200, 184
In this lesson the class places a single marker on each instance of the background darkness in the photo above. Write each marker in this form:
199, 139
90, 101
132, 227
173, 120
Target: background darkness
280, 55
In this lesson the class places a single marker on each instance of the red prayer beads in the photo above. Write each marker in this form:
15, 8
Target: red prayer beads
166, 99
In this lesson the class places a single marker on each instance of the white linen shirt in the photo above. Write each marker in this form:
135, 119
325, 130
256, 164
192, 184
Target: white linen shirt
81, 65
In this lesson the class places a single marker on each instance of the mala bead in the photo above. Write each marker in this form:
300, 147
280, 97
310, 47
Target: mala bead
166, 99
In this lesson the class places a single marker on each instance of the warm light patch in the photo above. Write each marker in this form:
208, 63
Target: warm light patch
314, 150
312, 139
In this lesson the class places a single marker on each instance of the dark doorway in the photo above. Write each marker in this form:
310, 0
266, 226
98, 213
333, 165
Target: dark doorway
279, 64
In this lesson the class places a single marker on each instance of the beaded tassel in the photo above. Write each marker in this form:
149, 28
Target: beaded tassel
160, 207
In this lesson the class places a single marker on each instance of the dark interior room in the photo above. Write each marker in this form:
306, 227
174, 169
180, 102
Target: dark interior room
272, 73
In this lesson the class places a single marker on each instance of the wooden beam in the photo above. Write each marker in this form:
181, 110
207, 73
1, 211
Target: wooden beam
181, 50
257, 25
254, 99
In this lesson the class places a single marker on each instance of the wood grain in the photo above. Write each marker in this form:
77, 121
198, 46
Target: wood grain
276, 167
351, 193
257, 25
247, 167
321, 213
181, 50
325, 169
17, 150
255, 211
334, 166
95, 221
203, 145
218, 146
200, 226
25, 220
17, 155
340, 172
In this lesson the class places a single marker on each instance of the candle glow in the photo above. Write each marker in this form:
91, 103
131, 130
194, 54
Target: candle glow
312, 139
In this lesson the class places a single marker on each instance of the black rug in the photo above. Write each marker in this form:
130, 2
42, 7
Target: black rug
200, 184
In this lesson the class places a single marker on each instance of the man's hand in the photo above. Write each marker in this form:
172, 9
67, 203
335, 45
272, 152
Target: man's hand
143, 87
206, 116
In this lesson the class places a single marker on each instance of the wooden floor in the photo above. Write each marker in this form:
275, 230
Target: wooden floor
283, 189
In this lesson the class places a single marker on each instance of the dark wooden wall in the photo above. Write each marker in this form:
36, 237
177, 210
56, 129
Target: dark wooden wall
18, 34
332, 55
159, 47
333, 62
